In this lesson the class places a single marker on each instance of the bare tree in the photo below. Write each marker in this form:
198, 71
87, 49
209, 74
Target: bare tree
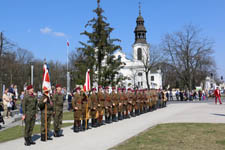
190, 55
153, 58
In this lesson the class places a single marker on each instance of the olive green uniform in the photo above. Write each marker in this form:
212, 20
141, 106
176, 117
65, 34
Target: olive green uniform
29, 105
58, 111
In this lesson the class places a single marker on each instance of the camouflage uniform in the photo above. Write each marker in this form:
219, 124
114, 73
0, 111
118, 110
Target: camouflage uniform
42, 105
108, 108
58, 113
130, 102
115, 103
101, 106
86, 103
94, 106
138, 101
77, 106
120, 106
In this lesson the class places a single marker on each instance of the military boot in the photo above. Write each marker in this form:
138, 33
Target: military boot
119, 116
92, 122
27, 142
110, 119
43, 138
83, 125
56, 134
31, 141
49, 137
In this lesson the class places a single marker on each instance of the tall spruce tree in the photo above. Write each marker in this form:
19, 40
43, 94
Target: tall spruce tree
98, 51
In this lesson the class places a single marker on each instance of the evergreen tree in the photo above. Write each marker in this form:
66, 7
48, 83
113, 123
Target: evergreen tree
99, 49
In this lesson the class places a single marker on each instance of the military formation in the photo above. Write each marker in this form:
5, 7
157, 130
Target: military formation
112, 106
91, 109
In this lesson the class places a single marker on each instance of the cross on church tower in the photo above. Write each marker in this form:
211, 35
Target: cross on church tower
140, 31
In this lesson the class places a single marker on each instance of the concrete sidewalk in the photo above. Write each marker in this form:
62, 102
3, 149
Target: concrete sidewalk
107, 136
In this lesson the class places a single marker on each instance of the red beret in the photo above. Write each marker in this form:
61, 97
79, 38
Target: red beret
29, 87
78, 88
93, 89
129, 89
113, 88
57, 85
106, 88
119, 89
99, 87
124, 89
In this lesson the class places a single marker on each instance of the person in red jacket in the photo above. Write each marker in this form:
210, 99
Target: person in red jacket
217, 95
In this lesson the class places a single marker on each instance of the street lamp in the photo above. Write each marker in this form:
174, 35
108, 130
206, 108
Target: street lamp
32, 73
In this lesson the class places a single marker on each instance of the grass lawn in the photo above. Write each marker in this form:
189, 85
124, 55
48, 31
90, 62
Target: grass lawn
180, 136
68, 116
18, 131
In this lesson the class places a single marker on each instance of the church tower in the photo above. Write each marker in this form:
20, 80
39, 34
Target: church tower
140, 46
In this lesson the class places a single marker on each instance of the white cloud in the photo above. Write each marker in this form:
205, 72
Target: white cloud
60, 34
47, 30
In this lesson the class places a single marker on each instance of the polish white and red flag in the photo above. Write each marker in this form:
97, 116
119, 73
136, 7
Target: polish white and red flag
87, 85
46, 85
68, 43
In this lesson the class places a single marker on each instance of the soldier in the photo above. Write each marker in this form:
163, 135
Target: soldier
120, 104
125, 104
146, 103
77, 107
29, 105
138, 102
94, 105
85, 110
58, 110
108, 106
164, 98
115, 102
130, 96
133, 102
101, 105
46, 101
141, 97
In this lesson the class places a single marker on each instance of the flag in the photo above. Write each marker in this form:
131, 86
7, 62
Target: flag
68, 44
87, 85
46, 85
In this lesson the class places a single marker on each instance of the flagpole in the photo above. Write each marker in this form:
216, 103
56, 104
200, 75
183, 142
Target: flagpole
68, 73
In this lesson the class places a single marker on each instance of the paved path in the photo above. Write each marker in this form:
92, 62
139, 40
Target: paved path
110, 135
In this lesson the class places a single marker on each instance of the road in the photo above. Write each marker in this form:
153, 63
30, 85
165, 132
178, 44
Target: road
107, 136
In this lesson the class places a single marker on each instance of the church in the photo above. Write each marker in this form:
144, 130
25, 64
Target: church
134, 68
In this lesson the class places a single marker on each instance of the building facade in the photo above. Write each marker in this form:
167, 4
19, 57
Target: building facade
134, 69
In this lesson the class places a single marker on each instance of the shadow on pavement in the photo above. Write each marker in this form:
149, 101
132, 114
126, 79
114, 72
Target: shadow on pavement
36, 137
222, 115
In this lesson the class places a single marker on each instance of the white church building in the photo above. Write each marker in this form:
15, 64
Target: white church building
134, 68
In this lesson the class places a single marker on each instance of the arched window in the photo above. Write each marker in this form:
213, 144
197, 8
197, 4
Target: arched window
119, 58
139, 54
152, 78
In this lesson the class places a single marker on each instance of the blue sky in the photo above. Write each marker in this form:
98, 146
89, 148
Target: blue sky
43, 26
